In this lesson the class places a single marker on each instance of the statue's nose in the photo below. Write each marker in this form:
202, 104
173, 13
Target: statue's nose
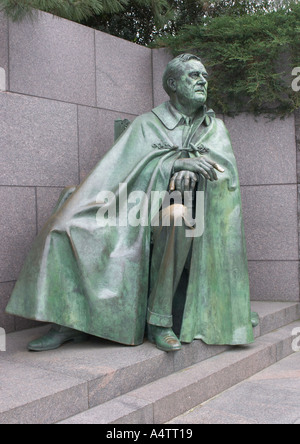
201, 81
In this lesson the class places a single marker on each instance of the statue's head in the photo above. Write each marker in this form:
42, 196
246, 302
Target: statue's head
185, 80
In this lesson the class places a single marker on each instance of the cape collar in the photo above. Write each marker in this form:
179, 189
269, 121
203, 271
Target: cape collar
171, 117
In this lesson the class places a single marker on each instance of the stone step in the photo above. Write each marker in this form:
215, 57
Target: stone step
269, 397
173, 395
50, 387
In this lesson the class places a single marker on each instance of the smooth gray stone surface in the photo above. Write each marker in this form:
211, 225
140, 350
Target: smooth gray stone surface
104, 370
122, 410
124, 75
53, 58
269, 397
275, 315
110, 369
47, 198
160, 59
47, 395
17, 229
96, 135
265, 150
274, 280
202, 381
172, 394
38, 139
271, 226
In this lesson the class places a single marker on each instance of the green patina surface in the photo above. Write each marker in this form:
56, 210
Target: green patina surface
96, 279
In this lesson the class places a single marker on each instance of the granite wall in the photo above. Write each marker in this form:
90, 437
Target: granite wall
65, 84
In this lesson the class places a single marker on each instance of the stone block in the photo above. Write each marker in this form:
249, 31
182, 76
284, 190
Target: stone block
53, 58
3, 51
96, 135
274, 315
265, 150
274, 280
110, 369
181, 391
122, 410
263, 403
285, 339
125, 371
203, 414
196, 352
6, 321
17, 229
124, 75
160, 59
36, 396
270, 216
47, 198
269, 397
38, 139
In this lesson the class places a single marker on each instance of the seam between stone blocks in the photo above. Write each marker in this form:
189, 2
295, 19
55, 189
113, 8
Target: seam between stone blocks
8, 55
152, 72
297, 141
70, 103
95, 62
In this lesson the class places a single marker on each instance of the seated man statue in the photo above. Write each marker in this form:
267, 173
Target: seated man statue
94, 269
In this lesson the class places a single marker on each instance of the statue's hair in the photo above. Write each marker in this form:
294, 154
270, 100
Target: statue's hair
174, 67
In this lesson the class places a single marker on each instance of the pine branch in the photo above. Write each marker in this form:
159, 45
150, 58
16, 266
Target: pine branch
77, 10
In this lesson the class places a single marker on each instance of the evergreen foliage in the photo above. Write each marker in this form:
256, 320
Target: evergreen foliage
250, 47
141, 21
76, 10
250, 57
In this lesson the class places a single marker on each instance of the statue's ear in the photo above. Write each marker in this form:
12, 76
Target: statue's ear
172, 84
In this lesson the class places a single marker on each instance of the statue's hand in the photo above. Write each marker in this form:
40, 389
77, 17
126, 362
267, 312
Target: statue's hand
183, 181
199, 165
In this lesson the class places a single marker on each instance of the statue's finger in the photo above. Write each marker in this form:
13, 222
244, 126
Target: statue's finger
208, 168
187, 181
215, 165
178, 181
203, 173
172, 182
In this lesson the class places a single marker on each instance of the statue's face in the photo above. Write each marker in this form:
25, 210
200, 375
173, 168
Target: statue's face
191, 85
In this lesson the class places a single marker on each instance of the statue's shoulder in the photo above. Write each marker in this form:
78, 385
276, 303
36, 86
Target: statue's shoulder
220, 124
143, 119
220, 129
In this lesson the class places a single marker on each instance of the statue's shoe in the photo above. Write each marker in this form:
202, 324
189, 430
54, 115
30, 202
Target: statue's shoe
164, 338
56, 337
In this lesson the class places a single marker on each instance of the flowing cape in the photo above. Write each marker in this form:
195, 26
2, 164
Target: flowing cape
95, 278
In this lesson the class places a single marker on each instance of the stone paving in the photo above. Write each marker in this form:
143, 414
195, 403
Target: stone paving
270, 397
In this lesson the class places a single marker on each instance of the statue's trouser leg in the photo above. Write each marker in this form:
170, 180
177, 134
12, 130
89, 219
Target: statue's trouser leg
170, 251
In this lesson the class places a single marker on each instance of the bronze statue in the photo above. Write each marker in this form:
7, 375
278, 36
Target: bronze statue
100, 267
